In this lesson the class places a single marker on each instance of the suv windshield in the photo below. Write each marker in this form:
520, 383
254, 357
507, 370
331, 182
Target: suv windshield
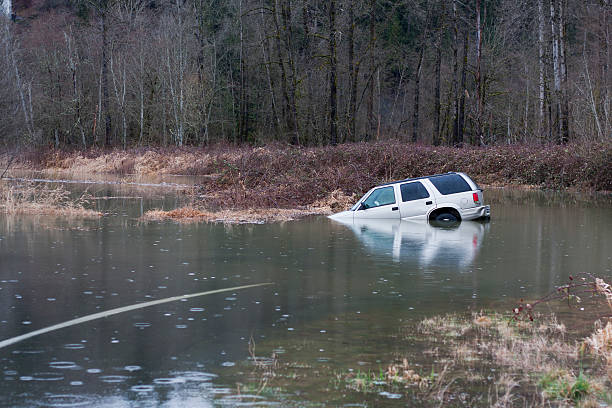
450, 184
381, 196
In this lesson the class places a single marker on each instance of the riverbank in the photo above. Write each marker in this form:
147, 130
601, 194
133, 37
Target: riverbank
286, 177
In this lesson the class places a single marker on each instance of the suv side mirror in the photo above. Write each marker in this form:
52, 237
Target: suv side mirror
363, 206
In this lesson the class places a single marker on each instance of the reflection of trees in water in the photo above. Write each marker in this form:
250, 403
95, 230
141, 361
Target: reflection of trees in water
505, 196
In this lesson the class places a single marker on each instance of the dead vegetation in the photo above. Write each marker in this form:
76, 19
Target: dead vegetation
249, 216
484, 359
334, 202
277, 182
491, 359
36, 199
488, 359
534, 354
304, 175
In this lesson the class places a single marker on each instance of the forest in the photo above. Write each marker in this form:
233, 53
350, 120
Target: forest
129, 73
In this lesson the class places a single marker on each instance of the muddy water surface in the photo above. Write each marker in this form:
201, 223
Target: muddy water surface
340, 294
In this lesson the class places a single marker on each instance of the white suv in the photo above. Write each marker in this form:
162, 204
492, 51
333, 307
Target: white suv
443, 197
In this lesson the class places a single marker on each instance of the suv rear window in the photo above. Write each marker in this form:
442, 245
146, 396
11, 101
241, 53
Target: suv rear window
450, 184
413, 191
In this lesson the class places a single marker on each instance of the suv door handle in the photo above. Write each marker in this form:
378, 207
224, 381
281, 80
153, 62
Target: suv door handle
394, 208
428, 202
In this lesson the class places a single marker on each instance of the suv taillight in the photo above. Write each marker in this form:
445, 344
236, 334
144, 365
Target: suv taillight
476, 200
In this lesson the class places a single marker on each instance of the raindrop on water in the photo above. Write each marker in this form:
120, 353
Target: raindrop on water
63, 364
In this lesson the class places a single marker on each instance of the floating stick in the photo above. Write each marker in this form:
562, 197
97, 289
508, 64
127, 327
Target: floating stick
118, 310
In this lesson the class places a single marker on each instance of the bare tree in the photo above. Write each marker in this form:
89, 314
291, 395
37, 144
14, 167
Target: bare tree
542, 79
333, 104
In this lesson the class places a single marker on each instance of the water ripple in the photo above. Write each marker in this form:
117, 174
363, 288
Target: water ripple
65, 400
168, 381
111, 379
64, 365
142, 388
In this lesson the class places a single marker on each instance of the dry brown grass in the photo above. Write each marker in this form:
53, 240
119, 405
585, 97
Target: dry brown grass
600, 343
250, 216
36, 199
527, 355
333, 202
523, 346
402, 373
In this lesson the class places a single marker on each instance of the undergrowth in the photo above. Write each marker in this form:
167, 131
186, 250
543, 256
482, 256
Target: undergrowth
283, 176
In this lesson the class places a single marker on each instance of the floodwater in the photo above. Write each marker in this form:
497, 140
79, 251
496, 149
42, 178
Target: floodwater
340, 292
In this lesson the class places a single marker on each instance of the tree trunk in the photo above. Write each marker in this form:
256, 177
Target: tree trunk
10, 51
556, 71
591, 97
461, 116
281, 64
541, 131
265, 53
604, 61
333, 108
105, 105
242, 102
564, 129
288, 30
353, 70
417, 89
370, 120
479, 96
436, 130
76, 98
454, 139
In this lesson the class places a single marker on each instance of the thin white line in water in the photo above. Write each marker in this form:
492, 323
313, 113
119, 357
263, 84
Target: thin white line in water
118, 310
116, 198
128, 183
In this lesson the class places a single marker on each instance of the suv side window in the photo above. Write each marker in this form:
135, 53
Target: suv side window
380, 197
450, 184
413, 191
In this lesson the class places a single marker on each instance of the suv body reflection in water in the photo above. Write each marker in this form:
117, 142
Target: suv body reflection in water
427, 243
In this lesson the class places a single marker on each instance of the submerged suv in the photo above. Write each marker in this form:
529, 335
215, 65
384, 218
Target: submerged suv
443, 197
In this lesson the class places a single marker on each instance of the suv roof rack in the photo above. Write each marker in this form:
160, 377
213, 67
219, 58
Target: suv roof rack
415, 178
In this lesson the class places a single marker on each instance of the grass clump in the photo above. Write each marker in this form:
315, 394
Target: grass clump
395, 377
35, 199
561, 385
232, 216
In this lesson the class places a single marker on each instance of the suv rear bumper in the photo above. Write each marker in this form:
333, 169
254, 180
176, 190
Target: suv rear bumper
483, 211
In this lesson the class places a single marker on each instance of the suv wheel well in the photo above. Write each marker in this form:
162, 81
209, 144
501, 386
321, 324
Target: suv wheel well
448, 210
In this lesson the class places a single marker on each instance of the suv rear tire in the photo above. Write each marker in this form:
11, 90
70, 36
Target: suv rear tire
445, 215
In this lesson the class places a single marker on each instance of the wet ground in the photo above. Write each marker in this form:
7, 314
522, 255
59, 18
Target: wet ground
341, 294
